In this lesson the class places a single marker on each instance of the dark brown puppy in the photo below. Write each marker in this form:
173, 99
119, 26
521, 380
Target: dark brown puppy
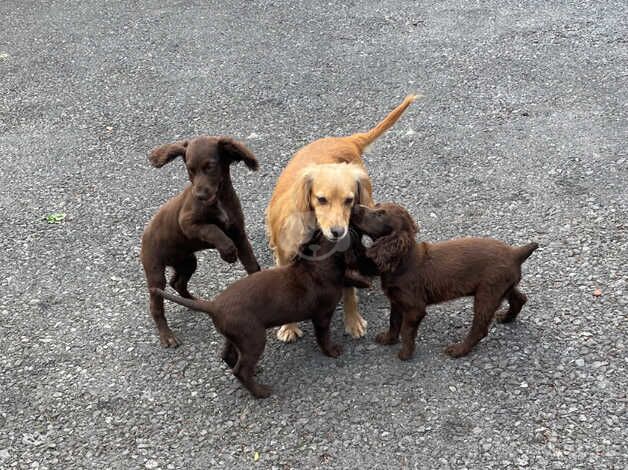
415, 275
307, 289
207, 214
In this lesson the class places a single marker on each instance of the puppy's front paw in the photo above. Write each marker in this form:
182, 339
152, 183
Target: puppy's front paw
228, 253
505, 317
261, 391
457, 350
168, 339
355, 326
333, 350
405, 355
289, 333
386, 338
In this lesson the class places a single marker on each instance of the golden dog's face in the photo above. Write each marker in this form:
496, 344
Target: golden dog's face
330, 191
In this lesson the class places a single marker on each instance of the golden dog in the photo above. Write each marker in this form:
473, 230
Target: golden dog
317, 189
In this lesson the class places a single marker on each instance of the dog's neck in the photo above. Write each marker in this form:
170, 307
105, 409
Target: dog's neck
407, 261
319, 260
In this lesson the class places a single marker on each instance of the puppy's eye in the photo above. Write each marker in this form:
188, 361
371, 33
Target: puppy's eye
322, 200
349, 201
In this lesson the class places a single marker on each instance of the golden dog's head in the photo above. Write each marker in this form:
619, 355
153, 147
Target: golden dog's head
330, 190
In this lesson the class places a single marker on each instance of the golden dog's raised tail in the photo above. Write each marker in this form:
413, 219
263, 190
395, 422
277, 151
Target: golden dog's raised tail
364, 139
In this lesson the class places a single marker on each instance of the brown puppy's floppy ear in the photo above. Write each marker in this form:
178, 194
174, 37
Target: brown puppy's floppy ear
163, 154
363, 187
302, 193
237, 152
386, 252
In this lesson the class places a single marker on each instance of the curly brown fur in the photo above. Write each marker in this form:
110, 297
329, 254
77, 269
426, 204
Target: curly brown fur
415, 275
207, 214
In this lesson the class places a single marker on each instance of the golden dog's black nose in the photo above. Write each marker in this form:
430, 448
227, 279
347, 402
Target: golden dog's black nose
338, 232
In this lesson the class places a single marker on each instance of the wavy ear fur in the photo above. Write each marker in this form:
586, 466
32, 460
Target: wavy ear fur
237, 152
386, 252
363, 187
303, 190
163, 154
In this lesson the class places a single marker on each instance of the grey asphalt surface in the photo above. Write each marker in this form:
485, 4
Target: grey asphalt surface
521, 136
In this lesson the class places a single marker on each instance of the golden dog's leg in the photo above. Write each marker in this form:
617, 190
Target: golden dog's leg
355, 325
289, 333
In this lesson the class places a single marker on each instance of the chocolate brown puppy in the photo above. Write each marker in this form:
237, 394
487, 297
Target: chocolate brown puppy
307, 289
415, 275
207, 214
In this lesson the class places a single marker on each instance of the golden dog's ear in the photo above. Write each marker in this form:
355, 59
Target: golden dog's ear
303, 192
163, 154
363, 187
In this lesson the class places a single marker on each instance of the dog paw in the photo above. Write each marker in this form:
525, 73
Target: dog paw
168, 339
261, 391
334, 350
457, 350
505, 317
386, 339
405, 355
229, 253
289, 333
356, 327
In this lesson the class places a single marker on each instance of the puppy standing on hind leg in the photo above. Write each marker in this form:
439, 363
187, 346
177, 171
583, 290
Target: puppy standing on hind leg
207, 214
415, 275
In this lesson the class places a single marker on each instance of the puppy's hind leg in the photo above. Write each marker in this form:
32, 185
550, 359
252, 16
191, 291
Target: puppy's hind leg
355, 325
156, 278
251, 348
516, 301
485, 305
183, 271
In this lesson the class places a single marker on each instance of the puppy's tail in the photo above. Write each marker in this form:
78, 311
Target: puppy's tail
364, 139
523, 252
195, 304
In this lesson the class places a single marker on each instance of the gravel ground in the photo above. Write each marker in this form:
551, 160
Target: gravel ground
521, 136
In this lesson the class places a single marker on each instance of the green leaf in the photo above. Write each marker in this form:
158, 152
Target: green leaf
55, 218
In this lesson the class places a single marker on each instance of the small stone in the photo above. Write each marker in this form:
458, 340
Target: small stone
151, 464
4, 454
580, 362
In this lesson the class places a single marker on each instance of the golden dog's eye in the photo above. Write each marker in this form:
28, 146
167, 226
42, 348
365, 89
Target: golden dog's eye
322, 200
349, 201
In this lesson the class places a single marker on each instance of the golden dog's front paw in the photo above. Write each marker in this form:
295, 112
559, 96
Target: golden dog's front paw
289, 333
355, 326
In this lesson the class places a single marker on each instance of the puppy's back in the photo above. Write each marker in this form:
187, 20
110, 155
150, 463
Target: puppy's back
456, 267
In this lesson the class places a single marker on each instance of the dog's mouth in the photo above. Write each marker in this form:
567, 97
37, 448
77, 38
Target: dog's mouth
333, 238
207, 200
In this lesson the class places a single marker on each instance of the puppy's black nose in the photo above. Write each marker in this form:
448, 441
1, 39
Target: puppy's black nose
337, 232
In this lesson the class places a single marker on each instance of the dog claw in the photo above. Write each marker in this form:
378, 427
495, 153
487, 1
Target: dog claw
169, 340
356, 328
289, 333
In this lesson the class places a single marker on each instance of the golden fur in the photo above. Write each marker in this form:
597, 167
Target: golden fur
317, 188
